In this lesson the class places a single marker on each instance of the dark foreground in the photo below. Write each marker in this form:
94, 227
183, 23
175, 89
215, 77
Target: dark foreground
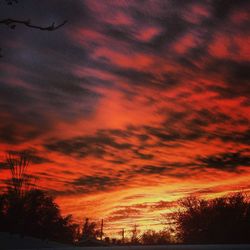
175, 247
17, 242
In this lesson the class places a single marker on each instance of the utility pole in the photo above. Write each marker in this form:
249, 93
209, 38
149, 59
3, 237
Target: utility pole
123, 236
134, 238
101, 229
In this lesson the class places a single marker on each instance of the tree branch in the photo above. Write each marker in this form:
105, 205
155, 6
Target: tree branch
13, 22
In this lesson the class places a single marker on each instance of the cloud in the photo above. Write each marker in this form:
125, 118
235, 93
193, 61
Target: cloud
223, 8
173, 135
143, 156
3, 165
229, 161
235, 75
205, 117
134, 197
88, 184
96, 182
138, 211
236, 137
124, 213
161, 205
95, 145
150, 170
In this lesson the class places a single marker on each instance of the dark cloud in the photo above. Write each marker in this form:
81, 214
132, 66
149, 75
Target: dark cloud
150, 170
143, 155
119, 161
226, 161
161, 205
173, 135
133, 75
143, 137
14, 94
162, 134
8, 134
174, 27
204, 191
134, 197
96, 182
221, 9
95, 145
3, 165
235, 75
236, 137
194, 126
205, 117
137, 210
88, 184
126, 212
13, 134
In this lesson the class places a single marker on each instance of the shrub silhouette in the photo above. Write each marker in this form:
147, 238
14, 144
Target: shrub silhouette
151, 237
220, 220
35, 214
90, 231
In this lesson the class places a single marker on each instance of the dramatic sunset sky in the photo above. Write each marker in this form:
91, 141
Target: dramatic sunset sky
129, 106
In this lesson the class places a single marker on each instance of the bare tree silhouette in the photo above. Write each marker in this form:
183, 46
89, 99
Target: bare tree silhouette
20, 181
89, 230
12, 22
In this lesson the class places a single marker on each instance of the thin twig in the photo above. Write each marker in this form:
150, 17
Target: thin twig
13, 22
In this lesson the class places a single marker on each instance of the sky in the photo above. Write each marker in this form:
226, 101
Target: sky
130, 106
